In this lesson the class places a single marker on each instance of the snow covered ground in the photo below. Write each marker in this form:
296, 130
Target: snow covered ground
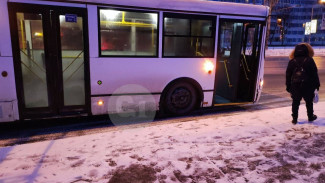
249, 146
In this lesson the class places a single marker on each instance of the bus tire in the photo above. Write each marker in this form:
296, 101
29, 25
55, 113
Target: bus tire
180, 98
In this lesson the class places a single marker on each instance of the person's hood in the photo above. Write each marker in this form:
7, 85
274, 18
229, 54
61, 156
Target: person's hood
301, 50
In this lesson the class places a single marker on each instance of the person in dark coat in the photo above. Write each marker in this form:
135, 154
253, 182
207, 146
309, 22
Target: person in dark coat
301, 58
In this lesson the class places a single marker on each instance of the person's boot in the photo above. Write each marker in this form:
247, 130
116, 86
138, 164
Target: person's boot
294, 119
312, 118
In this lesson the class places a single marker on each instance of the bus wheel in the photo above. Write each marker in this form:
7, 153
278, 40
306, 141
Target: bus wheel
181, 98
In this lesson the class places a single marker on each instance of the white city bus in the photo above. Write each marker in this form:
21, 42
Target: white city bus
74, 57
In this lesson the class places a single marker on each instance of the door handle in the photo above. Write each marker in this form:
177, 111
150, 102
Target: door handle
227, 74
242, 60
245, 60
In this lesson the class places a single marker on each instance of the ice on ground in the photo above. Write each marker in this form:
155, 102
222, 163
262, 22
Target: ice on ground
249, 146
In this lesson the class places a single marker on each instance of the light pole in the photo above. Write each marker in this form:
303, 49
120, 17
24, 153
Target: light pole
283, 16
312, 14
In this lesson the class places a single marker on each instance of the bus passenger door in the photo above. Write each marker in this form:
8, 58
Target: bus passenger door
51, 59
228, 60
237, 61
72, 60
249, 61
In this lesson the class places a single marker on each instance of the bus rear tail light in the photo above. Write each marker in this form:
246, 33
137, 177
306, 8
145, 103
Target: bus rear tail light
208, 66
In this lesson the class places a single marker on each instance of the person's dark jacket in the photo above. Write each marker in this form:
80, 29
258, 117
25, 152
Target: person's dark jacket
301, 56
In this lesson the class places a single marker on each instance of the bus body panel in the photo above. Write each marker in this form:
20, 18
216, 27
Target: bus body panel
185, 5
135, 71
5, 43
50, 3
8, 97
151, 73
93, 31
124, 103
7, 83
242, 18
179, 5
109, 105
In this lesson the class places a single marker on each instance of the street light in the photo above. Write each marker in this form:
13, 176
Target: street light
280, 23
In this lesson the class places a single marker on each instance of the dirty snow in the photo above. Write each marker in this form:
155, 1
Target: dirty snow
258, 146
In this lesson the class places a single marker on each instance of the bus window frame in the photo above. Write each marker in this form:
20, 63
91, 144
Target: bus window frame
129, 10
190, 17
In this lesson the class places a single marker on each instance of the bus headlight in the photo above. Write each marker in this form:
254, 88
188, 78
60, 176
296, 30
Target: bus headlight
100, 102
261, 83
208, 66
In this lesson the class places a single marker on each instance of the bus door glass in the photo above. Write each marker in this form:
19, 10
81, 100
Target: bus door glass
237, 61
32, 63
229, 47
249, 62
72, 60
50, 59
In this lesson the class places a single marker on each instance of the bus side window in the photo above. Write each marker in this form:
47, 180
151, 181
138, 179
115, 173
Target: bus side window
250, 41
194, 34
128, 33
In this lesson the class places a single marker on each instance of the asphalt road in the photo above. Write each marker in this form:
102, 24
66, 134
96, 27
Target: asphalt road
273, 96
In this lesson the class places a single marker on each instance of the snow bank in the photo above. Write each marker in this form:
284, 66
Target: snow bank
254, 146
285, 51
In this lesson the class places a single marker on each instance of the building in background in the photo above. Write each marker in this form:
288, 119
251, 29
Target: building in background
289, 18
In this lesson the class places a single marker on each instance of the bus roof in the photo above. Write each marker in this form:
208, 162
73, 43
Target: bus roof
188, 5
